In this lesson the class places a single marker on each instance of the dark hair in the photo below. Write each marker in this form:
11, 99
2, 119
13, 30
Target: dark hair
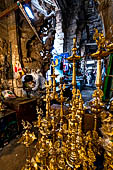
28, 78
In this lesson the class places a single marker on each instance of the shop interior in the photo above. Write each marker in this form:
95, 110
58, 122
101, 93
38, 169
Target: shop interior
56, 85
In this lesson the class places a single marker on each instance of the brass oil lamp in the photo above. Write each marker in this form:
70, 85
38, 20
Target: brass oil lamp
54, 76
73, 59
61, 144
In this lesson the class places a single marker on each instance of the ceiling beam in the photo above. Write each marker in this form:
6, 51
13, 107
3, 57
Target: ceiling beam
62, 4
11, 8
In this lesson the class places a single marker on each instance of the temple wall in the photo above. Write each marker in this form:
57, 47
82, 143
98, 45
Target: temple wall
59, 36
105, 8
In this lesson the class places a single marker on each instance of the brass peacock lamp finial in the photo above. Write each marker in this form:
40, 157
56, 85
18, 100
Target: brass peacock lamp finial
27, 139
101, 53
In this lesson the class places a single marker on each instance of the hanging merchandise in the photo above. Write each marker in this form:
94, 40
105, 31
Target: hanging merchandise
17, 70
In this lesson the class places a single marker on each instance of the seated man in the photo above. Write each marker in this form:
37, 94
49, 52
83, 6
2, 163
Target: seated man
39, 80
28, 84
33, 82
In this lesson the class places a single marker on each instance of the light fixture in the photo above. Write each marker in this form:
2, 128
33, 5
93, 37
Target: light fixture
29, 11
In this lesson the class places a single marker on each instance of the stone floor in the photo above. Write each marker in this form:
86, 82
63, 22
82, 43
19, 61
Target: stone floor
87, 93
12, 156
